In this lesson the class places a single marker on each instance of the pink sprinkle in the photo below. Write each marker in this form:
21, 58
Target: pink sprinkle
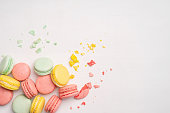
89, 85
91, 63
78, 107
101, 80
91, 74
96, 86
83, 103
71, 108
110, 69
103, 73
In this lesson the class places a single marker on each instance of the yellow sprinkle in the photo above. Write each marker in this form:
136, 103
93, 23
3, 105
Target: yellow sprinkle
76, 67
93, 45
100, 40
85, 65
81, 43
72, 76
71, 63
82, 54
76, 52
103, 46
74, 58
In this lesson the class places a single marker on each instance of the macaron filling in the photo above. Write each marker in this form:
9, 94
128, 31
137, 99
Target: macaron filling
8, 84
43, 72
36, 103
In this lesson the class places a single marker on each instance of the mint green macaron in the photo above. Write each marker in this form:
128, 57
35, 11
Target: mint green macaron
21, 104
43, 66
6, 65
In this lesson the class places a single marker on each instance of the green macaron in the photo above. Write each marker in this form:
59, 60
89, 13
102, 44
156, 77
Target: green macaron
21, 104
43, 66
6, 65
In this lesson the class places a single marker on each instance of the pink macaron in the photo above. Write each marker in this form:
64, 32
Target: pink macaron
44, 84
5, 96
21, 71
28, 87
52, 104
68, 91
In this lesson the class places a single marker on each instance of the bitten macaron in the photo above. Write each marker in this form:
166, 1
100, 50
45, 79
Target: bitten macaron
21, 71
9, 82
6, 65
60, 75
5, 96
53, 104
21, 104
28, 87
37, 104
43, 66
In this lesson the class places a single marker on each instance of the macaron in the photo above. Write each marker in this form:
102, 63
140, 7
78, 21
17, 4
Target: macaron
60, 75
21, 104
44, 84
5, 96
43, 66
37, 104
9, 82
21, 71
29, 89
68, 91
6, 65
53, 104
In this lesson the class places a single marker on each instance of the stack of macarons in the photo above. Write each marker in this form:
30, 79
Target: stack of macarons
49, 77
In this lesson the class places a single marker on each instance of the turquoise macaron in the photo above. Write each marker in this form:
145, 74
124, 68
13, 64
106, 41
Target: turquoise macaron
6, 65
21, 104
43, 66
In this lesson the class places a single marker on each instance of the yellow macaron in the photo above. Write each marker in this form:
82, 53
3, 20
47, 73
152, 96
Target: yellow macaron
9, 82
37, 104
60, 75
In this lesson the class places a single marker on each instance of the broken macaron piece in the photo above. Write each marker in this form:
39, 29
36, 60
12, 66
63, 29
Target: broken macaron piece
84, 91
68, 91
91, 63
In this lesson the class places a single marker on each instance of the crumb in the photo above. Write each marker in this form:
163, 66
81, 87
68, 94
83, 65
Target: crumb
81, 43
103, 73
85, 65
91, 63
39, 50
71, 63
47, 41
83, 103
71, 108
101, 80
82, 54
96, 86
45, 26
37, 41
103, 46
91, 74
55, 43
19, 41
32, 32
100, 40
78, 107
74, 58
110, 69
33, 46
76, 67
92, 46
76, 52
20, 46
89, 85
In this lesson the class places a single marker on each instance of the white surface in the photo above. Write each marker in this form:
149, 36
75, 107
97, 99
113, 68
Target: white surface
136, 34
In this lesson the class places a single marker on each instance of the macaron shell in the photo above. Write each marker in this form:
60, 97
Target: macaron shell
21, 104
83, 92
44, 84
5, 96
6, 65
21, 71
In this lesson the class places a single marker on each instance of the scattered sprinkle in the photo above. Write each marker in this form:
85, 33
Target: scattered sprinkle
110, 69
33, 46
20, 46
91, 74
86, 65
76, 67
101, 80
37, 41
47, 41
83, 103
89, 85
32, 32
19, 41
74, 58
45, 26
91, 63
96, 86
81, 43
71, 108
71, 63
103, 46
103, 73
100, 40
76, 52
39, 50
82, 54
55, 43
92, 46
78, 107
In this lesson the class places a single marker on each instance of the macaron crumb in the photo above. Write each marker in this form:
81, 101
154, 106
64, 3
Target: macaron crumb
82, 54
103, 73
100, 40
33, 46
45, 26
76, 52
91, 63
83, 103
32, 32
110, 69
37, 41
39, 50
86, 65
101, 80
78, 107
19, 41
76, 67
91, 74
103, 46
71, 108
81, 43
55, 43
96, 86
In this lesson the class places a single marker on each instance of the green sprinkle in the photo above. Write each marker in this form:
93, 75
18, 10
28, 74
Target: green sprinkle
32, 32
19, 41
37, 41
55, 43
33, 46
47, 41
45, 26
39, 50
20, 46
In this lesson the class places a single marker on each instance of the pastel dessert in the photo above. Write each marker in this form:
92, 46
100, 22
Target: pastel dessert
29, 89
53, 104
37, 104
6, 65
9, 82
44, 84
43, 66
68, 91
21, 104
60, 75
5, 96
84, 91
21, 71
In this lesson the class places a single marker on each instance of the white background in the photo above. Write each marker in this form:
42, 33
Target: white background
136, 36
